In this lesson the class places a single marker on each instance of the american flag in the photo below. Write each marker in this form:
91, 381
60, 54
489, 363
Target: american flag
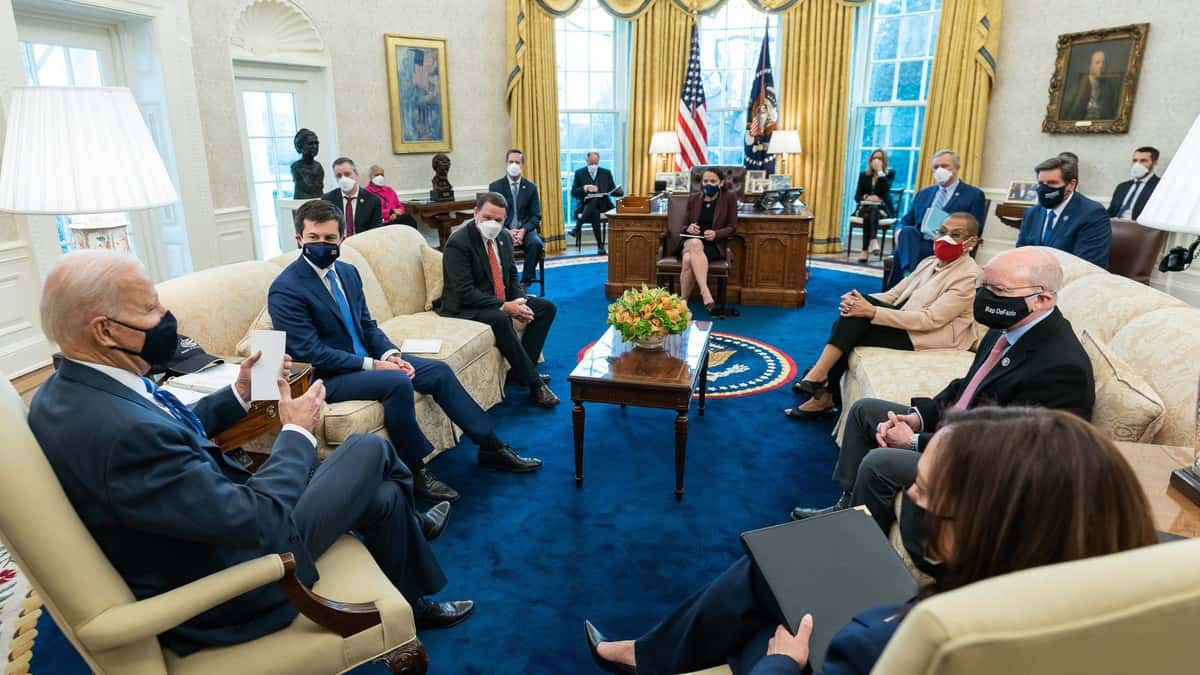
693, 135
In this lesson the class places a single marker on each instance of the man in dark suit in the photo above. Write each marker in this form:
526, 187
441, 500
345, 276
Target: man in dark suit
1131, 196
481, 285
319, 302
361, 210
523, 217
1065, 219
166, 506
590, 180
914, 236
1093, 96
1030, 357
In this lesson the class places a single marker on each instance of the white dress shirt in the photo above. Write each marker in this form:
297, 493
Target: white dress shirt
1132, 197
323, 275
1057, 211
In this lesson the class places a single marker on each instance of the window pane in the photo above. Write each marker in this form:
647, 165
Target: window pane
883, 76
918, 5
902, 133
264, 203
50, 66
260, 159
601, 51
909, 88
603, 131
601, 94
577, 55
914, 35
889, 6
255, 104
868, 130
562, 130
85, 65
283, 154
886, 37
902, 162
283, 114
580, 133
577, 91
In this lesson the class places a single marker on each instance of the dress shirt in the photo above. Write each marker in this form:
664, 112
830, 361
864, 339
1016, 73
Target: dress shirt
1057, 211
322, 274
138, 385
388, 197
1132, 197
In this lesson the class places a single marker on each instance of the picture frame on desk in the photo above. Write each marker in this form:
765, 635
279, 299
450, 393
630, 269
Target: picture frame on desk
683, 181
667, 178
1022, 192
756, 186
780, 181
755, 174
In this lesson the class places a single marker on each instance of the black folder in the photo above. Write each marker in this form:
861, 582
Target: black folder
833, 567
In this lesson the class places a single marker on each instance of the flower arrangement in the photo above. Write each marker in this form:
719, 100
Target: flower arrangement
647, 316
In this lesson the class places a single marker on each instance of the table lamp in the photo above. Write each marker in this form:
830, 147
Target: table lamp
82, 151
664, 143
784, 143
1175, 207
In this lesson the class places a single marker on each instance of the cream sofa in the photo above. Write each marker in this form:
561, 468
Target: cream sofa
1154, 335
218, 306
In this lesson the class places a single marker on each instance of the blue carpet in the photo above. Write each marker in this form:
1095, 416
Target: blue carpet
539, 555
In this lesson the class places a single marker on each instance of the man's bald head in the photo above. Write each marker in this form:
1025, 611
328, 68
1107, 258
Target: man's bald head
1026, 266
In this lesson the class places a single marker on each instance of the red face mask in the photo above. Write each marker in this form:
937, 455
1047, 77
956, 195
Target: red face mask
946, 249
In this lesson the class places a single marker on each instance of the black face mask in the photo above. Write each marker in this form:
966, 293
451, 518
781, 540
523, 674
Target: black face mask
1050, 197
161, 342
995, 311
914, 533
710, 190
321, 253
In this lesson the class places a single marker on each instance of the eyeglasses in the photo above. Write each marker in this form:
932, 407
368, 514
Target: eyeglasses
1009, 290
958, 235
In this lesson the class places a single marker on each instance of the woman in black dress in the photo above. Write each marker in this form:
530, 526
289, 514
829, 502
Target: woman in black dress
874, 187
712, 214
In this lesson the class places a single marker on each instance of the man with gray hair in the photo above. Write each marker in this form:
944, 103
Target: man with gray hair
161, 500
1030, 357
916, 231
1064, 218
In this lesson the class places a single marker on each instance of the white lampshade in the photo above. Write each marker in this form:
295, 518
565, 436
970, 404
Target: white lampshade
1175, 204
664, 143
783, 142
71, 150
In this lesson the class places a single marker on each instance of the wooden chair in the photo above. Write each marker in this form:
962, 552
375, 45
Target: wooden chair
116, 634
603, 233
856, 223
539, 277
669, 267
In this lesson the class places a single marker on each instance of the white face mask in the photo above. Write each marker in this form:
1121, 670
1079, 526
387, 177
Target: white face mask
490, 229
346, 183
378, 180
942, 174
1138, 170
514, 169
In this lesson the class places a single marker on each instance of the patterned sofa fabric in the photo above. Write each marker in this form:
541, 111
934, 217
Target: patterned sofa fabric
217, 306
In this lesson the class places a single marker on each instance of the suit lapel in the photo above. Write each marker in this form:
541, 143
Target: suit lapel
1019, 353
1144, 195
359, 205
316, 287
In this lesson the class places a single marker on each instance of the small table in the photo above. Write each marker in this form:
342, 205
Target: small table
615, 371
443, 216
1011, 214
1153, 464
263, 416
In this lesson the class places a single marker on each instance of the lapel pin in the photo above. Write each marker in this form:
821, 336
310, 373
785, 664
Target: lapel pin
1004, 363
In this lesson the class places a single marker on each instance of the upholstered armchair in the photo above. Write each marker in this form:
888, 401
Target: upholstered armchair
116, 634
669, 266
734, 176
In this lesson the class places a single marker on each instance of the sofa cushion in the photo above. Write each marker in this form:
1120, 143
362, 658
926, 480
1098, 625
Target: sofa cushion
1073, 267
394, 254
1101, 304
261, 322
1163, 347
216, 306
345, 418
1127, 408
463, 341
431, 266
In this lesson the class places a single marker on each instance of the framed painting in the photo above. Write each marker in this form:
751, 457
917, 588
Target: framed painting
1022, 192
418, 93
1095, 80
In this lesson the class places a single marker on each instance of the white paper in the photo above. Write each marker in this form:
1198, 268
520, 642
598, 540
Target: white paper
412, 346
186, 396
208, 380
265, 373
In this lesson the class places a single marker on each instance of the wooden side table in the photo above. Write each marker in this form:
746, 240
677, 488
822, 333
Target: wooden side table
442, 216
263, 416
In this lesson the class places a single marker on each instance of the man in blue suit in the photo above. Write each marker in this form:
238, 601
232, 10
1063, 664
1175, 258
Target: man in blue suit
523, 219
1065, 219
319, 302
166, 506
914, 240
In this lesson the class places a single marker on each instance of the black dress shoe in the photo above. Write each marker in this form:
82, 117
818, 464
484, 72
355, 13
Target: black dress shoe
595, 637
541, 395
506, 459
426, 486
433, 521
797, 413
601, 251
842, 504
444, 614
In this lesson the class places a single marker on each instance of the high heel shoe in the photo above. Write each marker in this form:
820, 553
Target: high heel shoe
796, 413
810, 387
594, 638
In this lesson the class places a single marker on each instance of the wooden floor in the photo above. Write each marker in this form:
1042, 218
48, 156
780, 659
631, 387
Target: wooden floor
28, 383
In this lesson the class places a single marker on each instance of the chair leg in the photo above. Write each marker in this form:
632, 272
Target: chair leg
849, 241
722, 282
411, 659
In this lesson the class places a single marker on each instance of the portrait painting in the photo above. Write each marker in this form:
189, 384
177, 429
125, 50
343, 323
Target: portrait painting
418, 94
1095, 80
1022, 192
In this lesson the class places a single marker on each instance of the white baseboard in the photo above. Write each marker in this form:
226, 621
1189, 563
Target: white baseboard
23, 347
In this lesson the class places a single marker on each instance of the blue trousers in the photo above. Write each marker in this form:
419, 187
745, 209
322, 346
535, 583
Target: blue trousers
533, 246
911, 249
394, 390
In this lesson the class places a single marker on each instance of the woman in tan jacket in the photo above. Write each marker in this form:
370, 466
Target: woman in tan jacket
930, 309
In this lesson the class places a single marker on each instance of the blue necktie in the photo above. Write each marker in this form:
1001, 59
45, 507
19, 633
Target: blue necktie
344, 308
1133, 189
176, 407
939, 200
1048, 228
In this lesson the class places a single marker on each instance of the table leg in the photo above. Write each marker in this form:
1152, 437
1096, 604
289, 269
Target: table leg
577, 424
703, 381
681, 431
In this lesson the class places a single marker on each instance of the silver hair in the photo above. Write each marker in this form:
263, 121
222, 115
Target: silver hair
80, 287
1039, 267
593, 152
953, 155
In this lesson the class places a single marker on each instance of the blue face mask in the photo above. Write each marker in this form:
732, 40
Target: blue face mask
711, 190
321, 253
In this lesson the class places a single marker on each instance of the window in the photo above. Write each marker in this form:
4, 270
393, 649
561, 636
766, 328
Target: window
730, 41
270, 119
593, 93
893, 63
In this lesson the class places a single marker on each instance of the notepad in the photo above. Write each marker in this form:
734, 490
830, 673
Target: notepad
186, 396
264, 375
934, 217
419, 346
206, 381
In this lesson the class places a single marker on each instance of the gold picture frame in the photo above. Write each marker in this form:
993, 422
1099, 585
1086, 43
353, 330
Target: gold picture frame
417, 67
1095, 80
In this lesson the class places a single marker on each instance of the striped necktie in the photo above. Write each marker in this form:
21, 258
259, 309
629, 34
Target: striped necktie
176, 407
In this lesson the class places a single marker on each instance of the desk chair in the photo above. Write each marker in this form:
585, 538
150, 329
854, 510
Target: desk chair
885, 224
603, 233
1136, 250
539, 278
669, 267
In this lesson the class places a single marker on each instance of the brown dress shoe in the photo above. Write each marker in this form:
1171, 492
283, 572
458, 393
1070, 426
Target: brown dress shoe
541, 395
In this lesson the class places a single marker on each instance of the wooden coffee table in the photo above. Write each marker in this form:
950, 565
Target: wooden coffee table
263, 416
614, 371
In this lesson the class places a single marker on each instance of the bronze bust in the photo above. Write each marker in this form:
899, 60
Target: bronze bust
442, 190
307, 173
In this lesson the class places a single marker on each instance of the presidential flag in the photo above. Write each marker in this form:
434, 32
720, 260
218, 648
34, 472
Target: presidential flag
689, 124
762, 114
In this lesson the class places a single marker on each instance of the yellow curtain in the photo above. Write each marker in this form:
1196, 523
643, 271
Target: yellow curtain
658, 61
815, 89
533, 107
964, 69
622, 9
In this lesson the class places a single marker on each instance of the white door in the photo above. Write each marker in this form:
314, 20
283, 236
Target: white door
273, 103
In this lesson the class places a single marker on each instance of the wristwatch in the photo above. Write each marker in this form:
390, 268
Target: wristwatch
915, 443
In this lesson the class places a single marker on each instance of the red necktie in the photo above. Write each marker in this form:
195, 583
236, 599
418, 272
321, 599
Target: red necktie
497, 277
349, 216
987, 366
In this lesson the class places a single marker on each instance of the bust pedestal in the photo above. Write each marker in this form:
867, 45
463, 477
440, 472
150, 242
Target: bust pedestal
442, 195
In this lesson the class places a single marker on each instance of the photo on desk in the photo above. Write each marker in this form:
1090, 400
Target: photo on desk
683, 181
755, 174
781, 181
1022, 192
757, 186
667, 179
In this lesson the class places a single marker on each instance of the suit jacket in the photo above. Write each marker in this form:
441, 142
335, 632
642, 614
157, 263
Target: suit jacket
964, 198
162, 508
725, 215
1047, 368
880, 186
1122, 191
1075, 101
939, 304
603, 182
1083, 229
368, 210
854, 649
467, 273
300, 304
526, 211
